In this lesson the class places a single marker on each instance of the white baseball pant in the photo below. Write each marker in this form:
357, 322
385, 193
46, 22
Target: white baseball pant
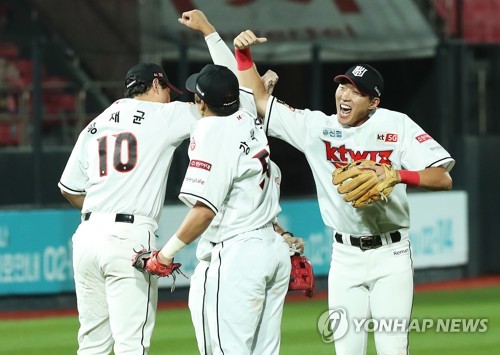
247, 282
376, 283
116, 303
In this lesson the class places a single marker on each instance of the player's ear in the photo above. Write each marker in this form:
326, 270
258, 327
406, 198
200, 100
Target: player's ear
202, 107
156, 85
374, 102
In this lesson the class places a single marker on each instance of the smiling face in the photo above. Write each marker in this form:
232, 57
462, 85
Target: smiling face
353, 107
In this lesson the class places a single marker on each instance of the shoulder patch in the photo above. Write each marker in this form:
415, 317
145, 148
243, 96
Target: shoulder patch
423, 137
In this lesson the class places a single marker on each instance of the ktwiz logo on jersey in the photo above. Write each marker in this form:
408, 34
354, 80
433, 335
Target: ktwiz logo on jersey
387, 137
423, 137
332, 133
200, 165
339, 156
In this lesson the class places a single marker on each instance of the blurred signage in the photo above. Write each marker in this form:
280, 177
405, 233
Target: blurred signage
35, 251
350, 30
35, 246
439, 230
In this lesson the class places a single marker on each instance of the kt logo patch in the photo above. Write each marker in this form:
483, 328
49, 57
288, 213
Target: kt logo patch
333, 324
387, 137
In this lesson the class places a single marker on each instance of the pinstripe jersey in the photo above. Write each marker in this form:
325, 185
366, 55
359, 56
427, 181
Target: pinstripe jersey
387, 137
229, 171
121, 159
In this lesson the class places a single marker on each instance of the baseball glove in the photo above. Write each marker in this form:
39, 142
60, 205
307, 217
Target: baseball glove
362, 187
147, 261
302, 275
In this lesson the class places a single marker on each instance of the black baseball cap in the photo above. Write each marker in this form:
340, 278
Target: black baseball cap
146, 73
216, 85
365, 78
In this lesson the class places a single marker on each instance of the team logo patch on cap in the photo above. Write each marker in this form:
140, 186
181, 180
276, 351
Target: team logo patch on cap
359, 71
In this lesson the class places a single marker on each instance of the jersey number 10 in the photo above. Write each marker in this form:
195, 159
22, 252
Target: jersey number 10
121, 163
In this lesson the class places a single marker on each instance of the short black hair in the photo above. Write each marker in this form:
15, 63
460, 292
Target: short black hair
141, 88
225, 110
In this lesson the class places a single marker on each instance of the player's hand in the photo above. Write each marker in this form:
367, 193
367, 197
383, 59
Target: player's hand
269, 79
378, 169
162, 259
295, 244
246, 39
196, 20
149, 261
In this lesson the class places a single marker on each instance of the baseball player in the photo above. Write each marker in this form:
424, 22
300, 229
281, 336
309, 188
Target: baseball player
117, 176
371, 271
228, 187
198, 279
196, 20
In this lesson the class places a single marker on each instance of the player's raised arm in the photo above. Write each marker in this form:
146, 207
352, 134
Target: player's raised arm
196, 20
269, 80
219, 51
247, 73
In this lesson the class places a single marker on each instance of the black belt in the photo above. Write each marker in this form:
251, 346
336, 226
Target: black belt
367, 242
120, 217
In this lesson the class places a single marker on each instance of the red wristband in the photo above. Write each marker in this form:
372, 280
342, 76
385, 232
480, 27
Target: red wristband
243, 59
411, 178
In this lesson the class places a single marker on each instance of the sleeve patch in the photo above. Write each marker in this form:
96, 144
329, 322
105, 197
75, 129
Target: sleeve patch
200, 165
423, 137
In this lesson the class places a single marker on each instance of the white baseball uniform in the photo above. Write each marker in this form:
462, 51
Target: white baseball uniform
249, 271
121, 162
197, 288
376, 282
221, 55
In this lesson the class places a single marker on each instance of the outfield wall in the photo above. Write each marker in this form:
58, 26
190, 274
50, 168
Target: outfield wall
35, 245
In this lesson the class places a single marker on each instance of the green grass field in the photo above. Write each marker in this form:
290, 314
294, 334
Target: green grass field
174, 333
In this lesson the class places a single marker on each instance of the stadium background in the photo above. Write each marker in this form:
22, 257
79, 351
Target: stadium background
62, 62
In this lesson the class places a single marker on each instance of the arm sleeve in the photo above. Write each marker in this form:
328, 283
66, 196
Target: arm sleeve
247, 101
220, 52
421, 151
182, 118
287, 123
208, 176
74, 177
